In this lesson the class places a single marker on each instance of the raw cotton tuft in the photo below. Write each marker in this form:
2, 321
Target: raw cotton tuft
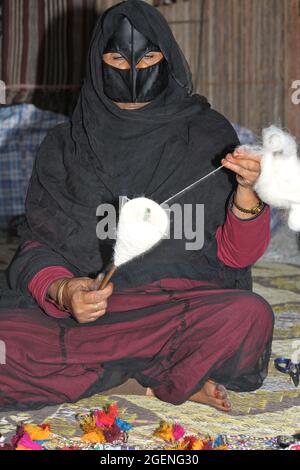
279, 181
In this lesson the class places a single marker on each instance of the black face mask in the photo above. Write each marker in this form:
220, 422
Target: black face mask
135, 84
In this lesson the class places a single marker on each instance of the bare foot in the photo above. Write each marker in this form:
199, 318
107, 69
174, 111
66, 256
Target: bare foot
211, 394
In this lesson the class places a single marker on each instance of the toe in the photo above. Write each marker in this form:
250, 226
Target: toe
221, 392
220, 395
222, 405
227, 405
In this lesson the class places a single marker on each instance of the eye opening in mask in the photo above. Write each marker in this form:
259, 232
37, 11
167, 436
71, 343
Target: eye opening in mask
116, 60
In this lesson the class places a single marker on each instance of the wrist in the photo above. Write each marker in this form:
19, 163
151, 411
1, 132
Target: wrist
56, 292
246, 196
246, 204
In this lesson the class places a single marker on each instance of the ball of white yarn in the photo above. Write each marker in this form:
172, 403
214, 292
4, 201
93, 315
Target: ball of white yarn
142, 225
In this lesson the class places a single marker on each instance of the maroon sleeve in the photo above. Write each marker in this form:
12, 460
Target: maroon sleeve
31, 258
39, 285
241, 242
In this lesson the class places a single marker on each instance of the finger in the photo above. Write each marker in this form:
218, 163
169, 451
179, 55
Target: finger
97, 315
97, 296
250, 165
97, 281
238, 170
94, 308
240, 153
89, 318
89, 309
86, 283
245, 160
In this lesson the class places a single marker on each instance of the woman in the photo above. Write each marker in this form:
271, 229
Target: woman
182, 322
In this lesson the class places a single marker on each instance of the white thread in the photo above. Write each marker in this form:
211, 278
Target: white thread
188, 188
142, 225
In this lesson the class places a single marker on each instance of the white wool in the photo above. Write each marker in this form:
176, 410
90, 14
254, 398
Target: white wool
142, 225
279, 181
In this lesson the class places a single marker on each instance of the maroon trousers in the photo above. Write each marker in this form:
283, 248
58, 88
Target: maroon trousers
170, 335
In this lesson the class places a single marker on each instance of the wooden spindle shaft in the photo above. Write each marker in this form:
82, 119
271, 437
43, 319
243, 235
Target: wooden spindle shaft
107, 277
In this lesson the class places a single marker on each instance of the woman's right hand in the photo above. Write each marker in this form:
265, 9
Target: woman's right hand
80, 297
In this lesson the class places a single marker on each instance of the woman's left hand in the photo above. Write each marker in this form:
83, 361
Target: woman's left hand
245, 165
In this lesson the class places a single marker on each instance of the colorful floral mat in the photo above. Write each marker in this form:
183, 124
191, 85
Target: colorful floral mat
256, 417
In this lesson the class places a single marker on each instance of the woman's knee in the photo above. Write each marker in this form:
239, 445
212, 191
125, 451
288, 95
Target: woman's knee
249, 305
253, 307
